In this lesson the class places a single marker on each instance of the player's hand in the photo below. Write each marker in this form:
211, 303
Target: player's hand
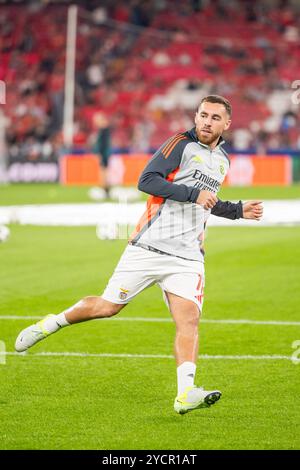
252, 210
207, 199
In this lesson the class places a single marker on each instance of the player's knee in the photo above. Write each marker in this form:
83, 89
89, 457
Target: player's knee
192, 322
108, 309
189, 322
100, 308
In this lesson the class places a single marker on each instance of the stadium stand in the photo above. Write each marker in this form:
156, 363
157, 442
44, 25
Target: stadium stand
146, 65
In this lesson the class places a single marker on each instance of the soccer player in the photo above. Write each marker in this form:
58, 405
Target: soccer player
103, 147
182, 178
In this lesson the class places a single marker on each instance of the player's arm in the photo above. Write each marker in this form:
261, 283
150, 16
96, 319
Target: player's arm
156, 178
228, 210
247, 210
158, 175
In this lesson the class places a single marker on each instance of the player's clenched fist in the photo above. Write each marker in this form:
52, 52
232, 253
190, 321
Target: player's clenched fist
207, 199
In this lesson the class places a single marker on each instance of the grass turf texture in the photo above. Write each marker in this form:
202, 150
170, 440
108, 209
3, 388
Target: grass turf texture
15, 194
127, 403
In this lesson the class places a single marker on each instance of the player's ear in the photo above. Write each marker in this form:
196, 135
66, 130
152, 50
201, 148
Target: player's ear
227, 125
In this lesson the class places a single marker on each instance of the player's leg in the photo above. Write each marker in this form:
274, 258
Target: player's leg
105, 180
90, 308
105, 154
183, 293
86, 309
129, 278
186, 316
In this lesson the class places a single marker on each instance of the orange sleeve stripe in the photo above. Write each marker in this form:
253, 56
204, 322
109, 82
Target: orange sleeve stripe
171, 144
167, 154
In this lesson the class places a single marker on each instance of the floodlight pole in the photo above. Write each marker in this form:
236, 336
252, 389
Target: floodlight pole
68, 124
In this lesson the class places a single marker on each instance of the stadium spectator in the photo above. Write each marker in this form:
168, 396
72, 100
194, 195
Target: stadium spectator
137, 54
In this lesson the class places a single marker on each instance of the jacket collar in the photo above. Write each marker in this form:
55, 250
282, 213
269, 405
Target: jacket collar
193, 134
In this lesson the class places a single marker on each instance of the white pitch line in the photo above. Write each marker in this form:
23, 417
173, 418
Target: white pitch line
254, 322
153, 356
20, 317
169, 320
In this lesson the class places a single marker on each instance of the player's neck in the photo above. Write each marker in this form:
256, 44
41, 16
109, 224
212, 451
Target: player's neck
212, 145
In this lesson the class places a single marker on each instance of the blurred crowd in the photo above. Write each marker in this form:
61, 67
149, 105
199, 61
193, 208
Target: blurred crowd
146, 65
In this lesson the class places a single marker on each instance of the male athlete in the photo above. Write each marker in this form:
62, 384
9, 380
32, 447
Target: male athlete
103, 147
183, 178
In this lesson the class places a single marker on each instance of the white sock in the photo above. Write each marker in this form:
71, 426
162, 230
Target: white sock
55, 322
185, 376
61, 320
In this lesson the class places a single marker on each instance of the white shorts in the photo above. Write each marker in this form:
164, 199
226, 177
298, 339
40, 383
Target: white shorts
140, 268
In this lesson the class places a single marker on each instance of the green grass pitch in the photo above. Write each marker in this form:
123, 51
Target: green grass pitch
15, 194
115, 402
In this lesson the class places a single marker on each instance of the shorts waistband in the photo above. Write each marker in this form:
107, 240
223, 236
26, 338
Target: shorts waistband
156, 250
149, 248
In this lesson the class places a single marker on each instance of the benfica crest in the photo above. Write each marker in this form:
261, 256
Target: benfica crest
123, 293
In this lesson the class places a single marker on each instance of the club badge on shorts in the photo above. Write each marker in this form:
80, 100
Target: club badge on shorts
123, 293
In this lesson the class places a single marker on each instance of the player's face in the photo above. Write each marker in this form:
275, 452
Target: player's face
211, 121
